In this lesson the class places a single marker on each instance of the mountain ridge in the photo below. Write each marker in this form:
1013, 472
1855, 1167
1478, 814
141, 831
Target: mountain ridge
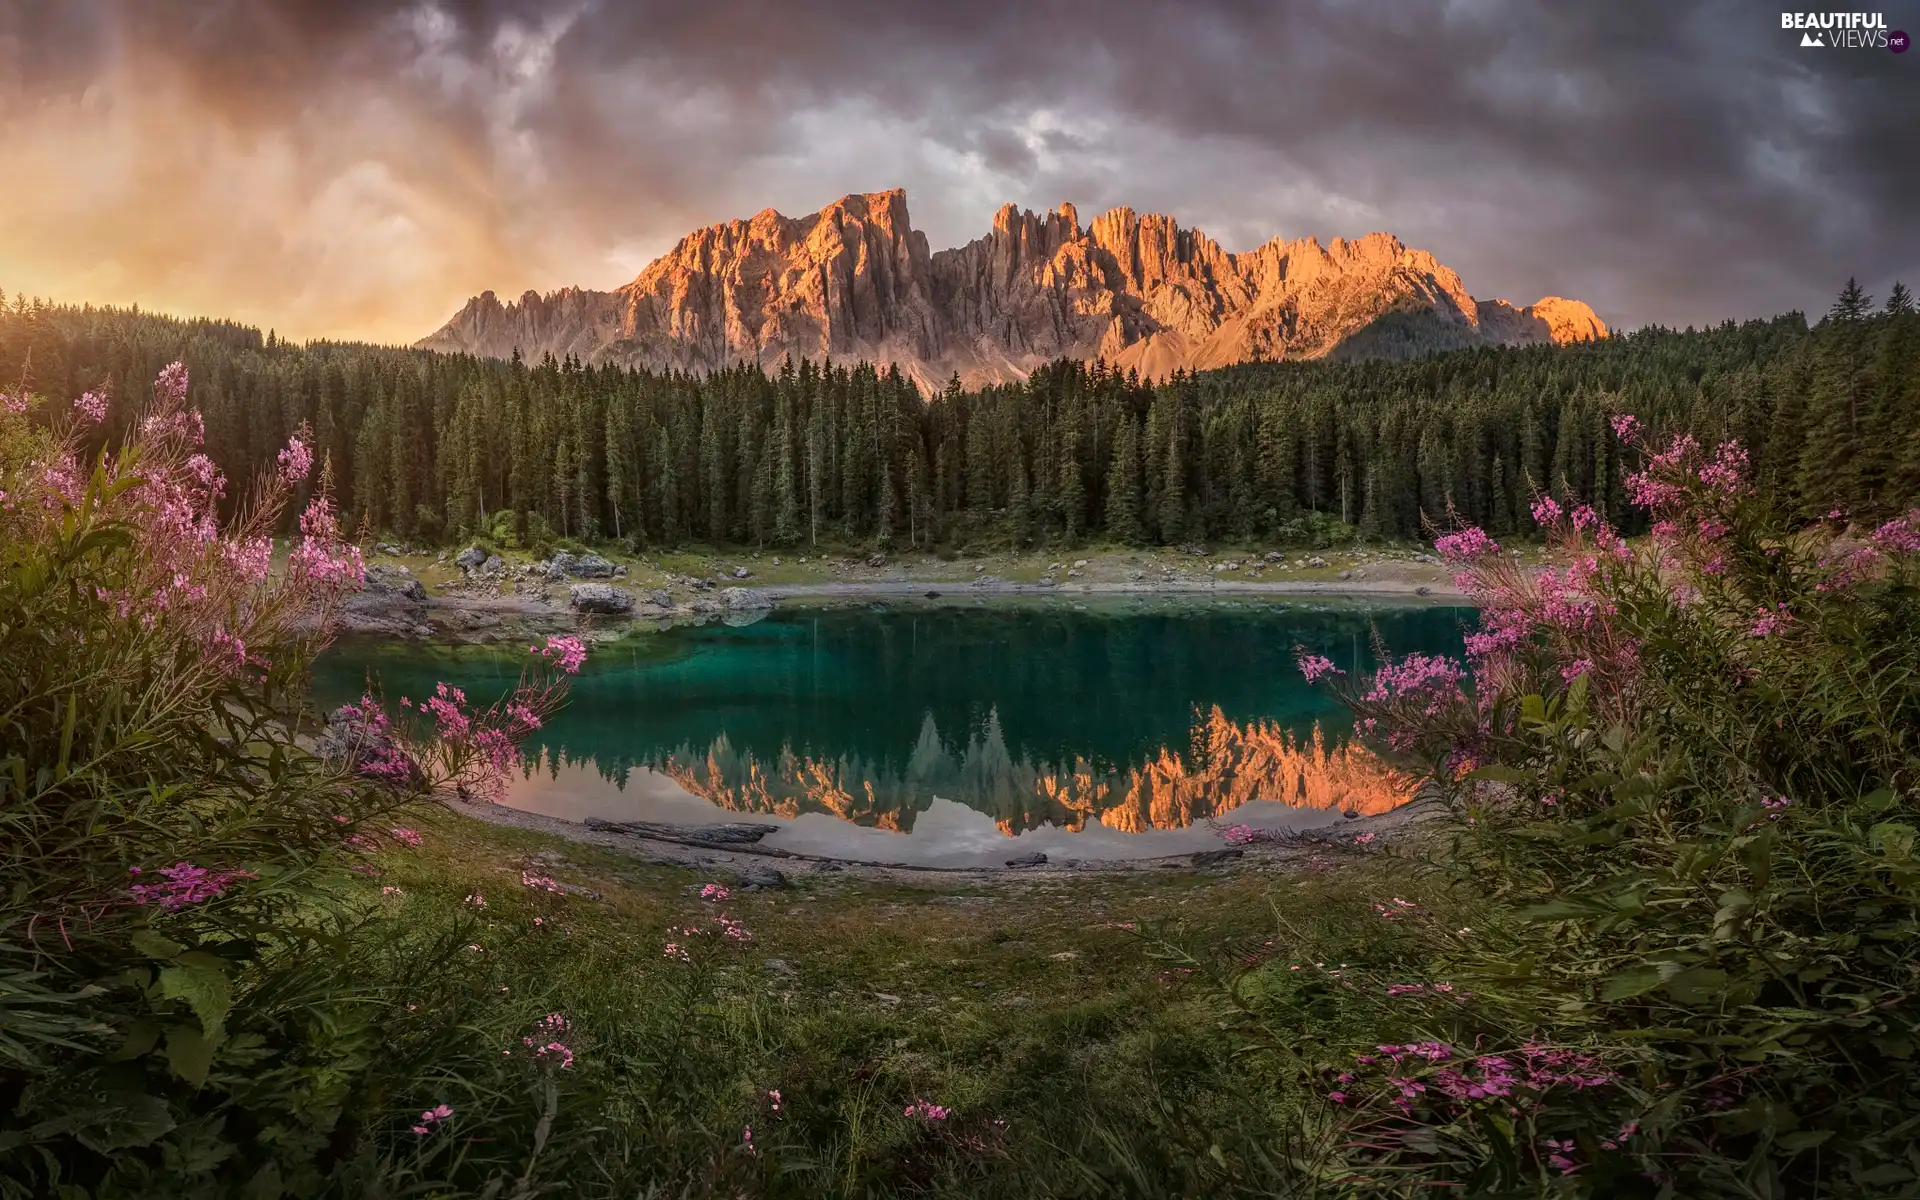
856, 280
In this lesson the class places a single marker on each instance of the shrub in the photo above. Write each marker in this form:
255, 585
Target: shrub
189, 996
1683, 779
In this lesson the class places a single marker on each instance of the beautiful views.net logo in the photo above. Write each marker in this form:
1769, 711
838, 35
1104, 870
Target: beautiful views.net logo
1851, 30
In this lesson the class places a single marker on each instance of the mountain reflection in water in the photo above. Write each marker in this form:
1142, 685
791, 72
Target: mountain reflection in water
1112, 727
1225, 765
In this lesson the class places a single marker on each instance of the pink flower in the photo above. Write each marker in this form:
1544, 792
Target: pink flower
92, 407
1901, 535
171, 384
408, 837
1466, 545
1727, 472
566, 651
1626, 427
1315, 667
715, 892
1545, 511
1576, 668
186, 884
926, 1111
1770, 621
296, 461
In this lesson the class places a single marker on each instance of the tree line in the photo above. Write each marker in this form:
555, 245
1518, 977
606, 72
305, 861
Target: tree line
432, 447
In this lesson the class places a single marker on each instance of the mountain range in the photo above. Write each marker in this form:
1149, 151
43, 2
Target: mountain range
857, 281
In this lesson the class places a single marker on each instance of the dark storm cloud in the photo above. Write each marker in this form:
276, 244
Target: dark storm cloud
1667, 162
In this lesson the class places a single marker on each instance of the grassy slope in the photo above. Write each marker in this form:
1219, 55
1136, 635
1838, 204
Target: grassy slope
1110, 1055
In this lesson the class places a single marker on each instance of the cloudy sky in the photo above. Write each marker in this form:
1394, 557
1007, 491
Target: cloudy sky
358, 168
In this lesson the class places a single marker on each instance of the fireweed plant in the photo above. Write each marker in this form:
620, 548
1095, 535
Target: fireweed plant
1683, 782
190, 1001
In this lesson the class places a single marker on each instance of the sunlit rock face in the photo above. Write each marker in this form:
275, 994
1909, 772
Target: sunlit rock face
857, 281
1224, 766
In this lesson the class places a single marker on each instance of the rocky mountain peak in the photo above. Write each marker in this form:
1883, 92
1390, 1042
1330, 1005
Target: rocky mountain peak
856, 280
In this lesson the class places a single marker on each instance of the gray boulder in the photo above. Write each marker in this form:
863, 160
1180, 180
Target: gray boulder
470, 558
494, 565
741, 599
741, 572
395, 581
1036, 859
601, 598
763, 878
581, 566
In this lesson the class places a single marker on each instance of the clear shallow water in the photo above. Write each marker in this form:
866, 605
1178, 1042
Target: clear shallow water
952, 732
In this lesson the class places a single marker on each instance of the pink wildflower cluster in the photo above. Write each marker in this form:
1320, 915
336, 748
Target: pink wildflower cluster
321, 554
183, 884
1770, 621
727, 927
923, 1110
463, 749
540, 883
13, 403
296, 461
545, 1041
210, 582
407, 837
1900, 535
1245, 835
1439, 1076
566, 651
91, 407
1316, 667
715, 892
372, 748
1466, 546
1430, 682
431, 1118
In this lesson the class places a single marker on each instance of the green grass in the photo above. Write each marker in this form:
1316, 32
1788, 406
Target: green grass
1074, 1027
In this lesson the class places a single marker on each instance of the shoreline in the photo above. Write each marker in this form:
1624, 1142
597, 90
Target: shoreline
948, 589
470, 615
1287, 852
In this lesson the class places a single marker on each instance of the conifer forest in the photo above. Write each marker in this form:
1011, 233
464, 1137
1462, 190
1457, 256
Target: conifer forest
431, 447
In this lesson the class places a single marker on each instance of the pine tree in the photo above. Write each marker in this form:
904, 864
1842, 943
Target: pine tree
1123, 485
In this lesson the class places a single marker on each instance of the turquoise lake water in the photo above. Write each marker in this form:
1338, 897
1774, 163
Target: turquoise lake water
953, 732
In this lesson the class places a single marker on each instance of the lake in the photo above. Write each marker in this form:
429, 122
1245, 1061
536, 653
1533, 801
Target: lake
953, 732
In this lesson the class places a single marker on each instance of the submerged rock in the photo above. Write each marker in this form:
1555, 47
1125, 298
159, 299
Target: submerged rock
1036, 859
601, 598
1213, 858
